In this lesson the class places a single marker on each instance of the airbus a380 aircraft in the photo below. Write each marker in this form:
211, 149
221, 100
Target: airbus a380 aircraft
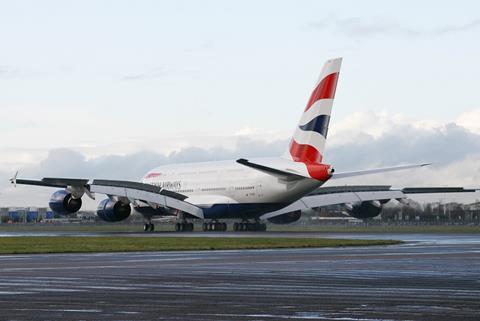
252, 191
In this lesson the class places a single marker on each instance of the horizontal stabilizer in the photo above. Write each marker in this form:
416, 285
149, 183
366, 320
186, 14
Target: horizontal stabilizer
376, 170
270, 170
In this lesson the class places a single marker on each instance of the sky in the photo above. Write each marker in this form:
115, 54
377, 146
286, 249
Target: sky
113, 88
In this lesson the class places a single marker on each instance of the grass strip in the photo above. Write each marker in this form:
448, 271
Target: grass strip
136, 228
407, 229
66, 244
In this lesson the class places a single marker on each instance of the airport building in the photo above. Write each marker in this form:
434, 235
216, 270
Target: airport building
437, 213
25, 214
430, 213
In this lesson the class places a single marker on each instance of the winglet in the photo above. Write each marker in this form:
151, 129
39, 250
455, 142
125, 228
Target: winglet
13, 180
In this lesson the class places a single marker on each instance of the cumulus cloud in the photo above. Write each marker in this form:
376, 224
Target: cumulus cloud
470, 120
405, 144
66, 162
360, 141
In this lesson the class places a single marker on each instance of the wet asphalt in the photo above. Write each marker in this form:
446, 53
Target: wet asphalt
431, 277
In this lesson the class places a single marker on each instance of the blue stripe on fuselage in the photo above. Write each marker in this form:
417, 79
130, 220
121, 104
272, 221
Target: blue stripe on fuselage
240, 210
224, 211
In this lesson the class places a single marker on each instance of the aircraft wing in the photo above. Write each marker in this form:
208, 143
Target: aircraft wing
325, 196
153, 195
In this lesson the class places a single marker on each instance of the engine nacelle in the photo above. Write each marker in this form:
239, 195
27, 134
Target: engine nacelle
63, 203
113, 211
286, 218
362, 210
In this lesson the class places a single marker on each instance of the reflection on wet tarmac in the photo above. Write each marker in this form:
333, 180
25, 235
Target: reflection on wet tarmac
433, 277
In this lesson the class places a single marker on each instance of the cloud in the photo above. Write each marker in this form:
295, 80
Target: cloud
359, 27
470, 120
361, 141
405, 144
64, 162
9, 72
146, 75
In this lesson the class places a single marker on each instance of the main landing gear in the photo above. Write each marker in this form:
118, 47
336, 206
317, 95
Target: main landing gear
148, 227
246, 226
215, 226
184, 227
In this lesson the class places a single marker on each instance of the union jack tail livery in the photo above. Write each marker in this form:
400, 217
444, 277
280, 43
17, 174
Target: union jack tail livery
308, 141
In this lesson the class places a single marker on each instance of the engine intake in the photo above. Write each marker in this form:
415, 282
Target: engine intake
113, 211
363, 210
63, 203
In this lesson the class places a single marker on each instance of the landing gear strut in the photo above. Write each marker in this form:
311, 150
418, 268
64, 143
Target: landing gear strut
184, 227
215, 226
245, 226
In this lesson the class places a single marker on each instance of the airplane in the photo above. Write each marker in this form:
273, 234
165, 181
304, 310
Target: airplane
251, 191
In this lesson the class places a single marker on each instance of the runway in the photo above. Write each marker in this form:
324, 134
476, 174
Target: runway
436, 238
437, 278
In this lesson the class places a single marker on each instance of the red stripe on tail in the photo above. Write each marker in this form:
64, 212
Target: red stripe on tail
324, 90
304, 153
312, 160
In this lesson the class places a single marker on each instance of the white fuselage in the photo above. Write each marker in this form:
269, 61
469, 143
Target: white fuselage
228, 182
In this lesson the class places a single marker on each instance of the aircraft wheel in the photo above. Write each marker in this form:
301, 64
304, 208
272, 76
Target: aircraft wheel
180, 227
152, 227
146, 227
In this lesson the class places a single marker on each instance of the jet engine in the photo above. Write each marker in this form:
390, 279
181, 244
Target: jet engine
113, 211
286, 218
63, 203
366, 209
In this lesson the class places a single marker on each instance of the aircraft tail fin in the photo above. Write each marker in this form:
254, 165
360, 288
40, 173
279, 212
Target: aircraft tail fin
308, 142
